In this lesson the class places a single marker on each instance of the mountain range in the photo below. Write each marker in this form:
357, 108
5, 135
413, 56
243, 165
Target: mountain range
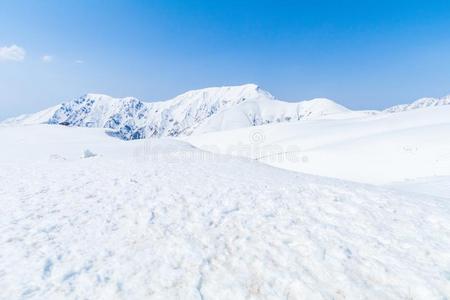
197, 111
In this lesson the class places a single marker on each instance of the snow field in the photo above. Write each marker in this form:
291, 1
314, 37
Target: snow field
137, 222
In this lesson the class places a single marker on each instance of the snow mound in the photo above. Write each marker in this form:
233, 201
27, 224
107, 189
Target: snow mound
88, 153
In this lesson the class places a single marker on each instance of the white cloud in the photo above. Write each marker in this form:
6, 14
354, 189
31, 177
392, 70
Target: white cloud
47, 58
13, 52
79, 61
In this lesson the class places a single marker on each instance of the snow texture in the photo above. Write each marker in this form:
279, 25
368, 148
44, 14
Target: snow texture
159, 219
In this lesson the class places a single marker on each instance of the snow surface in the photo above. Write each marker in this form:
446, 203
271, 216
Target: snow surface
377, 149
160, 219
436, 186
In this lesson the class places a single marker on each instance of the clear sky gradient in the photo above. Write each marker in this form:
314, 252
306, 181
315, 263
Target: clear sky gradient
362, 54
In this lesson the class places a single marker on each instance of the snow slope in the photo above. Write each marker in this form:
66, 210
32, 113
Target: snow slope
36, 118
160, 219
380, 149
210, 109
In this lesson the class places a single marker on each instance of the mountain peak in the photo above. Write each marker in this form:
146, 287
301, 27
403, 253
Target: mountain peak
104, 97
95, 96
226, 93
250, 86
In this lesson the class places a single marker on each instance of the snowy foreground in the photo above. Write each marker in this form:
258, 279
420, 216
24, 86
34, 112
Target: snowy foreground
161, 220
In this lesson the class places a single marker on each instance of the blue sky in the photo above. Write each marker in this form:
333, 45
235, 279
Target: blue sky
363, 54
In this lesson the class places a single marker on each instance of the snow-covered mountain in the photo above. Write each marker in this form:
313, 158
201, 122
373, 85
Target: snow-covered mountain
134, 119
208, 109
420, 103
196, 112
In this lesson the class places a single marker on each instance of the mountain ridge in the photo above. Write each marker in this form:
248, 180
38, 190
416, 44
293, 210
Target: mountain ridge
130, 118
420, 103
195, 111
